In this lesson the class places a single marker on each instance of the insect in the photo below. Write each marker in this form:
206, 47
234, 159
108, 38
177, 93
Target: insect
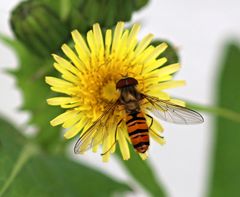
137, 127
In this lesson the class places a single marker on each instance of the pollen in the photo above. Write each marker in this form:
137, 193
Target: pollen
109, 92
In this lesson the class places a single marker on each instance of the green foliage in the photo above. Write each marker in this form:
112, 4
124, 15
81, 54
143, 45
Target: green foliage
30, 79
226, 161
143, 173
28, 171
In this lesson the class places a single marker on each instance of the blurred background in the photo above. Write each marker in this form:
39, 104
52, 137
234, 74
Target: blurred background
204, 34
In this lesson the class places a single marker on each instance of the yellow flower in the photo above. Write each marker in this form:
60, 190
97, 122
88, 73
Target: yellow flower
88, 79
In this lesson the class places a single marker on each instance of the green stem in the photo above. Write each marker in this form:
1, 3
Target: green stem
27, 151
219, 111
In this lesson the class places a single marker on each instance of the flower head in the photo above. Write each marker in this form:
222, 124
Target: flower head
88, 79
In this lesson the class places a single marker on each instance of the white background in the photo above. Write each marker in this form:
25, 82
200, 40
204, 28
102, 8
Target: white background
198, 29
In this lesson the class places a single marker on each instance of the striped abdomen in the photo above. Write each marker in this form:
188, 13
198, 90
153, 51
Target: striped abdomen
138, 131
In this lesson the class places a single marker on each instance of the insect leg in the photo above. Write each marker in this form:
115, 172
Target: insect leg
155, 133
151, 120
115, 138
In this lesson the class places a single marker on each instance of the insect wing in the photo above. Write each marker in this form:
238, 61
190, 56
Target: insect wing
97, 132
170, 112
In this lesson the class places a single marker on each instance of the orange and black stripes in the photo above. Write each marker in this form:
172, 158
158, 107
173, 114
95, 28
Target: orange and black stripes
138, 131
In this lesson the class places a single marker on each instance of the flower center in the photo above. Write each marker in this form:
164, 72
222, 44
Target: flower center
109, 92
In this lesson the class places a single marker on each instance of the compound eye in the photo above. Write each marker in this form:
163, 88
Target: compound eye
122, 83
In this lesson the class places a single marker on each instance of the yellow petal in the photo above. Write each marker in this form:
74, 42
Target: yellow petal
167, 70
64, 90
108, 144
108, 41
121, 49
142, 56
154, 81
134, 31
156, 52
78, 39
62, 117
157, 137
66, 65
154, 124
98, 38
106, 156
95, 148
117, 35
171, 84
178, 102
132, 39
61, 100
143, 156
158, 93
71, 105
98, 139
123, 144
143, 44
91, 42
85, 65
72, 56
66, 74
72, 121
76, 128
53, 81
164, 78
154, 65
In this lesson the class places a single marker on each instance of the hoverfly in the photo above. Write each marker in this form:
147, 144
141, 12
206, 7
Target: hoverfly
137, 127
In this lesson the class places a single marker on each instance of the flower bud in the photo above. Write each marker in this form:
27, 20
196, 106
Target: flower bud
138, 4
38, 27
105, 12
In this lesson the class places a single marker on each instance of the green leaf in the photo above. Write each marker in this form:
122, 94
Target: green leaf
10, 146
142, 171
30, 80
30, 172
226, 161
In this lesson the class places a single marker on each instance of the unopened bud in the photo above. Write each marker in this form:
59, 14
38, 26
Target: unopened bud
38, 27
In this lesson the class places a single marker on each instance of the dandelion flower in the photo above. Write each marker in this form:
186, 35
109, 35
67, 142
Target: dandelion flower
88, 81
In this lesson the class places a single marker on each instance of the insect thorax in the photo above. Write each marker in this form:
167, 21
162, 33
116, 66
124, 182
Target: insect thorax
130, 97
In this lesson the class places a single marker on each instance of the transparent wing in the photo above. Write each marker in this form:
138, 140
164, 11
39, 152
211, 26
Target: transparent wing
97, 132
170, 112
